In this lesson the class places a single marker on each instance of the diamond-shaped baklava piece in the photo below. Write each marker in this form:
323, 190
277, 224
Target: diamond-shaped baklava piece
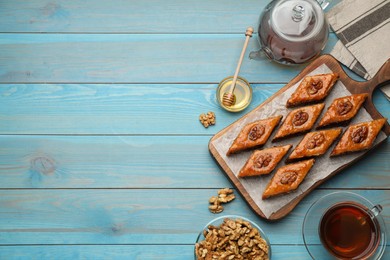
343, 109
315, 144
254, 134
299, 120
312, 89
358, 137
288, 178
263, 161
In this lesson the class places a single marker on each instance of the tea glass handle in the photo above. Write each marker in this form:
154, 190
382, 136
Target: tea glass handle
376, 210
324, 3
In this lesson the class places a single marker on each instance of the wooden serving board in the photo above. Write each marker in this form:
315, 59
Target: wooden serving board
380, 79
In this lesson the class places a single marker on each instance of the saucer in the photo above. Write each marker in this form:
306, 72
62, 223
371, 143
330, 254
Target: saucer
311, 223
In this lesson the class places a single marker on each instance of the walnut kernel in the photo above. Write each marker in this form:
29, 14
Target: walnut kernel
315, 141
224, 196
256, 132
207, 119
216, 208
359, 134
288, 177
233, 239
300, 118
262, 161
314, 87
343, 107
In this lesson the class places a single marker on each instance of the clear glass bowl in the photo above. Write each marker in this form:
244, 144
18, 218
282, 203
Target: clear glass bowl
242, 93
311, 223
219, 220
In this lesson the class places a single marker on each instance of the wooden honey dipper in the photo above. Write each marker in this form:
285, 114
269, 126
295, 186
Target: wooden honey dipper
229, 98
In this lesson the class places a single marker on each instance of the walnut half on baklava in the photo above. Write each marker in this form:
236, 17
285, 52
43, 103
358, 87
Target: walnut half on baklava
300, 120
288, 178
315, 144
263, 162
312, 89
343, 109
254, 134
358, 137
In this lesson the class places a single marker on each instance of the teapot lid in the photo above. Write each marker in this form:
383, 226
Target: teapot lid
297, 20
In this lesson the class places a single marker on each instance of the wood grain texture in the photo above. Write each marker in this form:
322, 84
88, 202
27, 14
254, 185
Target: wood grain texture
119, 16
122, 109
92, 167
134, 252
142, 162
115, 109
351, 85
134, 58
135, 216
141, 252
132, 17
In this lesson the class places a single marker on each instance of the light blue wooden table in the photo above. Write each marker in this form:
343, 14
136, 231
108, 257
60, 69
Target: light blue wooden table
102, 155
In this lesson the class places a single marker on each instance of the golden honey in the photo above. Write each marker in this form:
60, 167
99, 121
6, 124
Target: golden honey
242, 93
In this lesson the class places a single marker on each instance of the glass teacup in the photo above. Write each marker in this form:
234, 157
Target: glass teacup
344, 225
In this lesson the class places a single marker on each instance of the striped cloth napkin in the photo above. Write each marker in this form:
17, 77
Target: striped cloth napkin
363, 29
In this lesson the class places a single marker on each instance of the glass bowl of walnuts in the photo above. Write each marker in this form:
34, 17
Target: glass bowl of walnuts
232, 237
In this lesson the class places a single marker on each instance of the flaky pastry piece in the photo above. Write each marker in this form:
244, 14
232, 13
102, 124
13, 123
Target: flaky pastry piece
312, 89
263, 161
254, 134
288, 178
300, 120
358, 137
343, 109
315, 144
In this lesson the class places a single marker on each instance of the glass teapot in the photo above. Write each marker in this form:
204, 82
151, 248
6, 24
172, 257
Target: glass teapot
292, 31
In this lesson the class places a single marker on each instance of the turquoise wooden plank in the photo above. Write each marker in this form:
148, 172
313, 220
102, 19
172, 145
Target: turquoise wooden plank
122, 109
115, 109
144, 252
134, 252
142, 162
102, 162
118, 16
136, 58
129, 16
151, 216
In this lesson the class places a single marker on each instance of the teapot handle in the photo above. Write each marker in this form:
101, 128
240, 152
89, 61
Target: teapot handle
324, 3
261, 54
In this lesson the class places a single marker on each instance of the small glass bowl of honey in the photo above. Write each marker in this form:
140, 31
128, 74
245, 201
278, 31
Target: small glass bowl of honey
242, 93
